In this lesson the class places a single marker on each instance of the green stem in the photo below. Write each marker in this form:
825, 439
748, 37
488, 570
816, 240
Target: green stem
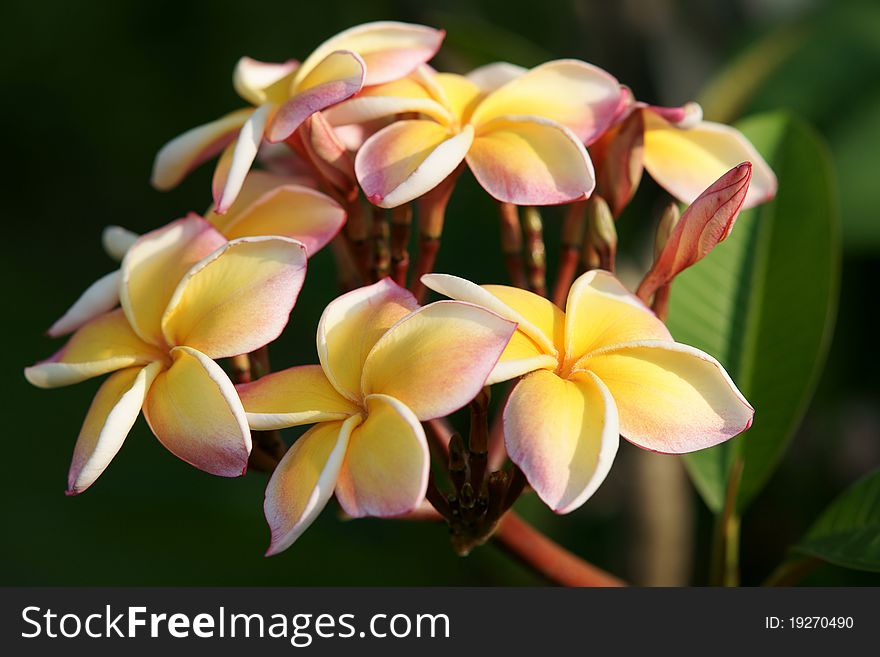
725, 549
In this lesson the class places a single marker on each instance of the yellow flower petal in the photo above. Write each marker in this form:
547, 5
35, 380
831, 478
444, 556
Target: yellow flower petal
385, 472
193, 410
458, 93
352, 324
529, 160
407, 159
235, 163
563, 435
304, 480
105, 344
671, 398
687, 161
580, 96
538, 318
438, 358
297, 395
390, 49
111, 415
153, 267
182, 154
258, 82
237, 299
100, 297
293, 211
600, 311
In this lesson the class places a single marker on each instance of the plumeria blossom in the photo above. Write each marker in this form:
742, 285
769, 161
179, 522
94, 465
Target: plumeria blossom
605, 366
523, 139
386, 364
285, 94
269, 204
683, 153
188, 297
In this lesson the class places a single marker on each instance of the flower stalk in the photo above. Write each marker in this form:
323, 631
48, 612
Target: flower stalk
512, 243
536, 256
401, 223
572, 238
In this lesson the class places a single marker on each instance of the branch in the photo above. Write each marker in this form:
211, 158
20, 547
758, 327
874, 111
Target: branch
534, 549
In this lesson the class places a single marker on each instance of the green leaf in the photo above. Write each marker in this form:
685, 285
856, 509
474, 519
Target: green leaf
848, 532
763, 303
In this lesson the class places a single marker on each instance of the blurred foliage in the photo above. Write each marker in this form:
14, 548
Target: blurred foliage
848, 531
93, 89
763, 303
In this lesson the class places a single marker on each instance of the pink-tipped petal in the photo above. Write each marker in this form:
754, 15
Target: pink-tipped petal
600, 312
238, 298
291, 397
193, 410
563, 435
407, 159
437, 359
293, 211
671, 398
707, 221
531, 161
390, 49
385, 472
686, 116
304, 480
236, 161
181, 155
338, 77
104, 344
111, 415
153, 267
100, 297
258, 82
687, 161
326, 153
582, 97
352, 324
618, 156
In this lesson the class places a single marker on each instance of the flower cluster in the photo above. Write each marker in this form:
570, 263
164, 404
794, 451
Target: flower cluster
365, 116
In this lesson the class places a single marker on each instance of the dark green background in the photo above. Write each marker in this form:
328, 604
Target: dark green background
92, 89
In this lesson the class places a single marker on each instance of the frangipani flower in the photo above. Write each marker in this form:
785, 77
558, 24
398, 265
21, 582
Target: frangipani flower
386, 365
683, 153
188, 297
606, 366
286, 94
523, 141
268, 205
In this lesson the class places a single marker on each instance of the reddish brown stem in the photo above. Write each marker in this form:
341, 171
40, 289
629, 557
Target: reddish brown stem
572, 237
401, 221
432, 213
512, 244
381, 255
554, 562
536, 257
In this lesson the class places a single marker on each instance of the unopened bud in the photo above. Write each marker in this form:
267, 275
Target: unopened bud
601, 232
668, 221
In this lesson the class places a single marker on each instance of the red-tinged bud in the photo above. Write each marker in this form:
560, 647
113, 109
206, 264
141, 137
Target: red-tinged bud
707, 221
329, 156
668, 221
617, 156
601, 238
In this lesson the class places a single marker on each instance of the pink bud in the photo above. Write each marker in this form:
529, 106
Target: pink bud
707, 221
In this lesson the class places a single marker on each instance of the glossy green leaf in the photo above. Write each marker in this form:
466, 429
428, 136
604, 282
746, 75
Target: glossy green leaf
763, 303
848, 532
